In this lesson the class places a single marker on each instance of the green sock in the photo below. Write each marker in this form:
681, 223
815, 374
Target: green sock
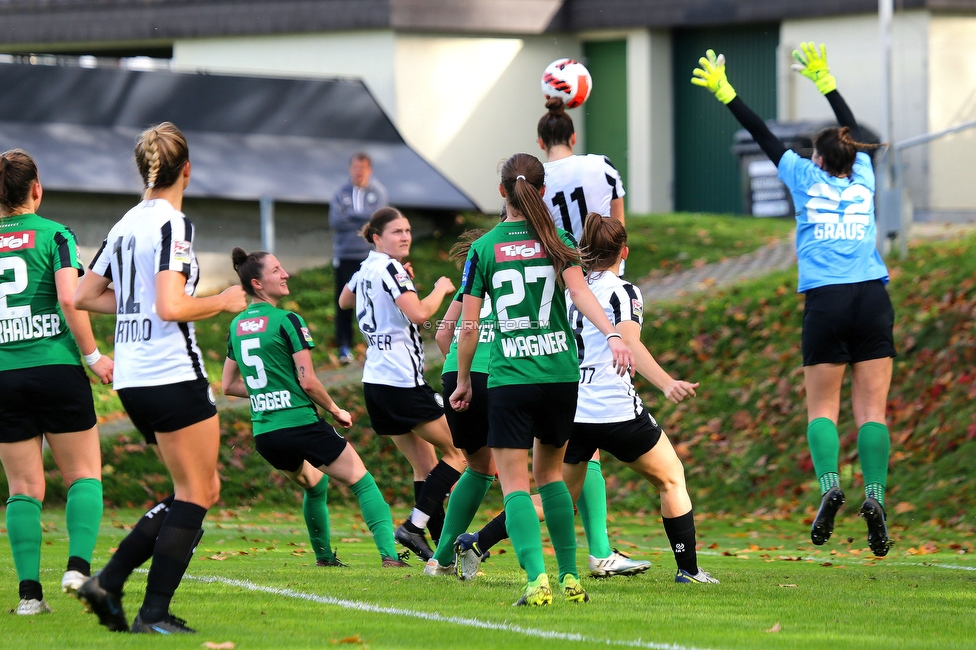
466, 498
376, 512
522, 524
592, 506
873, 446
316, 510
83, 514
24, 531
561, 522
824, 449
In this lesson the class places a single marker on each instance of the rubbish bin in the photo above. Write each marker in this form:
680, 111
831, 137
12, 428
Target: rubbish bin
763, 194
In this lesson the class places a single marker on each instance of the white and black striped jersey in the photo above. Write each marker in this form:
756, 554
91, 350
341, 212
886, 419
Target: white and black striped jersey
578, 185
605, 396
151, 237
395, 352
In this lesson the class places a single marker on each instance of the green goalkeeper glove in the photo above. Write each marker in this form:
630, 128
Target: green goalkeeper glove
711, 75
813, 65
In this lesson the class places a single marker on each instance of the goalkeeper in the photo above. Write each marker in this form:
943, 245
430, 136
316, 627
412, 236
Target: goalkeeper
847, 317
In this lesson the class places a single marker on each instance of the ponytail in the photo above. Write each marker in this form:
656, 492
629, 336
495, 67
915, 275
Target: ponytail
555, 127
839, 149
603, 240
17, 173
523, 178
249, 266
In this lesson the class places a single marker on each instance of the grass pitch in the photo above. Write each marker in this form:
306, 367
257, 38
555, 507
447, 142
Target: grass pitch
254, 583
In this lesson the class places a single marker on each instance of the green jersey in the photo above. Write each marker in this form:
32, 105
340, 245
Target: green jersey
534, 343
33, 331
262, 340
486, 334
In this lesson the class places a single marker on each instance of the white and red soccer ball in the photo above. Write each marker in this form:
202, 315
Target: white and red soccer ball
568, 80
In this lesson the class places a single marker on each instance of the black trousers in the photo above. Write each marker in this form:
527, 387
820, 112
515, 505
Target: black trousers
343, 318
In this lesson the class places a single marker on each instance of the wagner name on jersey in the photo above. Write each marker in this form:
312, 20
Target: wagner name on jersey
395, 351
262, 340
605, 396
151, 237
578, 185
33, 331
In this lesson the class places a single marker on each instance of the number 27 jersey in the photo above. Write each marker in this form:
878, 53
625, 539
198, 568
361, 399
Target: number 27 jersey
533, 341
151, 237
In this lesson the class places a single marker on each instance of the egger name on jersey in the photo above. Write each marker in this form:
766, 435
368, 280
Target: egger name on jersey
263, 340
32, 328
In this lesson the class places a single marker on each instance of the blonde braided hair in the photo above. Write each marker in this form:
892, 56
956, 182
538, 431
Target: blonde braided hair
161, 152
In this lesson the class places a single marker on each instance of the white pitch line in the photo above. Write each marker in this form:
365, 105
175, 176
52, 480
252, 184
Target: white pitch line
434, 616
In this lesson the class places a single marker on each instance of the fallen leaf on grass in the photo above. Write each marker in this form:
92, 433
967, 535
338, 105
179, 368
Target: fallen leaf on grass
775, 628
212, 645
348, 639
789, 558
923, 549
904, 507
351, 540
789, 585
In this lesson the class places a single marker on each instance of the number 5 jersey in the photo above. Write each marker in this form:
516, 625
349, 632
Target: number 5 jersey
262, 340
835, 226
151, 237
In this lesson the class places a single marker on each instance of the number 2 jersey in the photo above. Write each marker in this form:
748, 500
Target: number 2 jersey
151, 237
533, 343
395, 351
835, 227
605, 396
33, 331
262, 340
578, 185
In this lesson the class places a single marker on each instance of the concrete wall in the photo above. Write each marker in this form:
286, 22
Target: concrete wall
853, 52
650, 128
952, 100
464, 103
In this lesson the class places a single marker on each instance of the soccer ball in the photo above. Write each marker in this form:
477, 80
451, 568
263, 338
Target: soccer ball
569, 80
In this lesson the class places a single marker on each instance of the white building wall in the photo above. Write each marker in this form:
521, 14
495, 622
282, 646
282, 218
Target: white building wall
463, 103
853, 52
952, 100
364, 54
468, 103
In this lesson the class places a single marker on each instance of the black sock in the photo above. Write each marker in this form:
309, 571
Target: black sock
136, 548
174, 547
493, 532
31, 590
75, 563
436, 488
681, 534
418, 489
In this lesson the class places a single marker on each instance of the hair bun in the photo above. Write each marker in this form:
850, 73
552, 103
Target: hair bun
238, 256
556, 105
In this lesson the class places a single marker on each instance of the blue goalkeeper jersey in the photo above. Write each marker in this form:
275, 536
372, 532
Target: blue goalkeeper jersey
835, 227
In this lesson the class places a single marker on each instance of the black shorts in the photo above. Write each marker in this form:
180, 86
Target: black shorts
394, 411
628, 440
168, 408
848, 323
469, 429
520, 413
285, 449
44, 399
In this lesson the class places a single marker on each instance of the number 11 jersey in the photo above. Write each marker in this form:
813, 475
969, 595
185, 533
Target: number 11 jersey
578, 185
151, 237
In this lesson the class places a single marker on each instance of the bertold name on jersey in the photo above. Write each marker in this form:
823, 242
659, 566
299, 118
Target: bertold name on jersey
29, 327
279, 399
535, 345
132, 330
